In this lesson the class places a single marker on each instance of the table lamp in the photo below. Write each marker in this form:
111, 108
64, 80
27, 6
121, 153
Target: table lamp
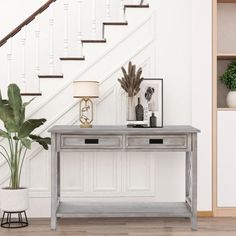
86, 90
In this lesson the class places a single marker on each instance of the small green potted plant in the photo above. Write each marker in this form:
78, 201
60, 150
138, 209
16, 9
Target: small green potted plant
18, 139
229, 79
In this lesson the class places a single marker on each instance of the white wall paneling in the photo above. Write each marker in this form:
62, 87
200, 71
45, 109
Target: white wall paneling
139, 174
74, 172
226, 160
106, 174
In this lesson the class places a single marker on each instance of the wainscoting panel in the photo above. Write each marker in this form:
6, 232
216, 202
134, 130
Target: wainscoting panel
139, 174
73, 172
106, 176
38, 169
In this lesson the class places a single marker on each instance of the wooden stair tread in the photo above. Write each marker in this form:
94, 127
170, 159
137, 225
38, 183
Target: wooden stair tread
50, 76
31, 94
93, 40
115, 23
136, 6
72, 58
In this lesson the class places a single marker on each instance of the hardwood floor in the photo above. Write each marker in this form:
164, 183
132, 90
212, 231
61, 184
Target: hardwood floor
127, 227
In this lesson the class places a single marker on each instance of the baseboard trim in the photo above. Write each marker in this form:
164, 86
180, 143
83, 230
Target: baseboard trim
225, 212
205, 214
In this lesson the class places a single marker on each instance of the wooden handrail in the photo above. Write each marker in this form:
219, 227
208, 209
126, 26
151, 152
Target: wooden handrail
26, 22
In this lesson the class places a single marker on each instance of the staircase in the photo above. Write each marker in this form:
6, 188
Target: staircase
43, 43
72, 40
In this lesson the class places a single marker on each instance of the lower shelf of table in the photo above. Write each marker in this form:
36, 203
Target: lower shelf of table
123, 209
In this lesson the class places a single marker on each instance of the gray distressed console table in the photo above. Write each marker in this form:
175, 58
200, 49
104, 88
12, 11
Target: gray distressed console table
121, 138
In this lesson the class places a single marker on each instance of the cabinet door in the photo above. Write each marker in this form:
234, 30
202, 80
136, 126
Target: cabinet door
226, 159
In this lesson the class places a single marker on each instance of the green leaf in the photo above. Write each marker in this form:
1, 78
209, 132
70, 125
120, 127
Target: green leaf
27, 103
44, 142
26, 142
23, 110
15, 103
4, 134
30, 125
7, 117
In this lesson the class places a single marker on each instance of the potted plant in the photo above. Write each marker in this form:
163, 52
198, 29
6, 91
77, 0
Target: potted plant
19, 138
131, 84
229, 79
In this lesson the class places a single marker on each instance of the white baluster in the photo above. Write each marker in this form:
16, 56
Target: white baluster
94, 22
108, 18
51, 47
122, 13
9, 61
23, 76
141, 2
37, 40
66, 43
79, 29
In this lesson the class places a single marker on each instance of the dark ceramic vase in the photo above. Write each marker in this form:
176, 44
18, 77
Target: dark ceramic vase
139, 111
153, 120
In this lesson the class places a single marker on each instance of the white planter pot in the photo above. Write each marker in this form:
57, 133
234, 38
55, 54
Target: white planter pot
13, 200
231, 99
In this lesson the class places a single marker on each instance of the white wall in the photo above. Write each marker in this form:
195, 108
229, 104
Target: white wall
13, 12
175, 56
202, 95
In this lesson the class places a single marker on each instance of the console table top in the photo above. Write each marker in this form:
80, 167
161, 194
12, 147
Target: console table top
115, 129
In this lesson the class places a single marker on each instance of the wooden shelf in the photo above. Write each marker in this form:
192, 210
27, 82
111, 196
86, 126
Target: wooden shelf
226, 1
226, 109
123, 209
226, 56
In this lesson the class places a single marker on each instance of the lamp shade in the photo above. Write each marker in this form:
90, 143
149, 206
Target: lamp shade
86, 89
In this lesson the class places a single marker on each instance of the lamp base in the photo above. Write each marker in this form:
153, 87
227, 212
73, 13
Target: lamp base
86, 126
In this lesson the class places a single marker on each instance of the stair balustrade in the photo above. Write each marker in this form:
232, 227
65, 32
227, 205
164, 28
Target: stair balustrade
56, 32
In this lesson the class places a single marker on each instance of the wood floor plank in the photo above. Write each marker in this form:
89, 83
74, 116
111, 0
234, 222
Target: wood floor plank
127, 227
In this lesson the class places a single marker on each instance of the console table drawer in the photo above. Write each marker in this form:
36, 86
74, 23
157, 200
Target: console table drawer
79, 141
157, 141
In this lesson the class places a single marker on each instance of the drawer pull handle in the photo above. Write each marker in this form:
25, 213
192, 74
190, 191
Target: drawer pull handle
91, 141
155, 141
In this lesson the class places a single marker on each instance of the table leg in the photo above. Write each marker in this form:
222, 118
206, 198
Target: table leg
188, 179
54, 188
58, 176
194, 182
